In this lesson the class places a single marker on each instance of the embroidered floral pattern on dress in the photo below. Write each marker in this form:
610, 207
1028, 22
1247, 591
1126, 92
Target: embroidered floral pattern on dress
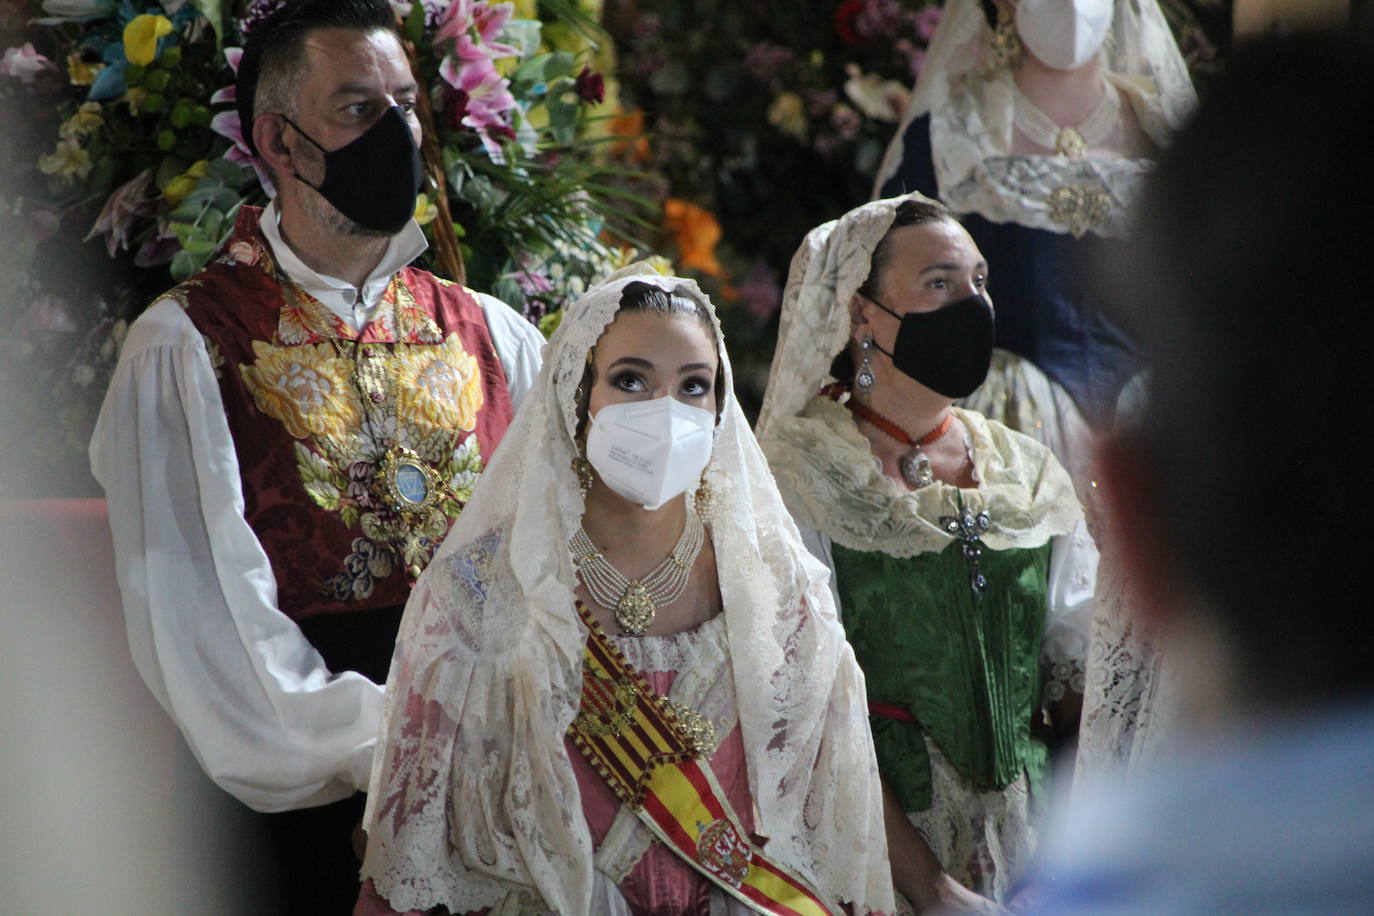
216, 358
438, 388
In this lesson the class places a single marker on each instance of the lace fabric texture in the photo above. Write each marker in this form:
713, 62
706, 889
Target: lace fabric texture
826, 474
1021, 397
1132, 700
473, 802
826, 270
970, 104
983, 838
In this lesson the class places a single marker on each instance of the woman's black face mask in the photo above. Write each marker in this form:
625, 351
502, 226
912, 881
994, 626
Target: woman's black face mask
373, 180
949, 349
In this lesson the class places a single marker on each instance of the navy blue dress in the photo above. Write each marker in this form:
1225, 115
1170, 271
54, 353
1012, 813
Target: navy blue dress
1041, 282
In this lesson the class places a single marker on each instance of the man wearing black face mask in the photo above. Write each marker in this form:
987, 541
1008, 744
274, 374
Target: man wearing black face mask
291, 432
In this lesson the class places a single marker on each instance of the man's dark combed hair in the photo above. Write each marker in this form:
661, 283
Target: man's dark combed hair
1249, 288
275, 45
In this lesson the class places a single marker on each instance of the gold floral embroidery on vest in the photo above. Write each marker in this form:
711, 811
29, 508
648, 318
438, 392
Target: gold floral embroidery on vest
306, 388
304, 320
438, 388
379, 425
215, 356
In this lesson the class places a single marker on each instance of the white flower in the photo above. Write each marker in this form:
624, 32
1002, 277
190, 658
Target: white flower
24, 63
882, 100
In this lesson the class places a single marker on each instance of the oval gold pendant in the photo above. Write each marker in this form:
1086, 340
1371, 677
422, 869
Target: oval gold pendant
915, 468
634, 612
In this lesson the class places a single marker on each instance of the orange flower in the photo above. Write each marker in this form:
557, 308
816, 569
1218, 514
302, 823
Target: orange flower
629, 127
697, 233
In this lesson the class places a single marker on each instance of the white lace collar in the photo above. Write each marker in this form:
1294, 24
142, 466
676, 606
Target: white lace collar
673, 652
826, 473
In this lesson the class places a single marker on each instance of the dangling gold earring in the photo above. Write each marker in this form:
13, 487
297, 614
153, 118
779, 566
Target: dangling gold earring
583, 469
1006, 47
701, 500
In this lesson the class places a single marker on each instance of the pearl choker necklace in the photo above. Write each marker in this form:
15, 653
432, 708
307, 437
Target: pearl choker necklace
1075, 141
635, 601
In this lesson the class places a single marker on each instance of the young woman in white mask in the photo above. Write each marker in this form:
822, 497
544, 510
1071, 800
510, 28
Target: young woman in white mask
621, 687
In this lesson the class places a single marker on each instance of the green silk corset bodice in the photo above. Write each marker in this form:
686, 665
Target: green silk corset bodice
966, 666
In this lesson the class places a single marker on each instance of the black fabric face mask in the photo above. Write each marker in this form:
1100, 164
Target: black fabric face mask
373, 180
948, 350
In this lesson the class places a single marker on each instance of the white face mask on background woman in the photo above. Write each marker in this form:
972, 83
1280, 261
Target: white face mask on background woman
1063, 34
650, 451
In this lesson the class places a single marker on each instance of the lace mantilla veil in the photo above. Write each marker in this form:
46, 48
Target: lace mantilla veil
970, 112
824, 465
473, 800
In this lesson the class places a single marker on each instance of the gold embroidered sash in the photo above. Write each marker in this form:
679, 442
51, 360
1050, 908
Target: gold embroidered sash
654, 761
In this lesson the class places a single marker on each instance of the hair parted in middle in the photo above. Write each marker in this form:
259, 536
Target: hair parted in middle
644, 297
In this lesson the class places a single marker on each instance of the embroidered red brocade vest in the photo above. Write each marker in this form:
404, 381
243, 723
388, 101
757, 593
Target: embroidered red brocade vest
356, 452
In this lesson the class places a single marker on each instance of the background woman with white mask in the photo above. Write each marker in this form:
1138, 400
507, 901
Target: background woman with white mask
1036, 121
621, 687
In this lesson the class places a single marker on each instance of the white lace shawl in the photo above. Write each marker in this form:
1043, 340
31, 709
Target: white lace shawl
970, 108
1133, 691
823, 464
826, 473
473, 800
829, 266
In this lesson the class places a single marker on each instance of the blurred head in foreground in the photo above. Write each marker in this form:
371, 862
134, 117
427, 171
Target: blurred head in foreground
1243, 495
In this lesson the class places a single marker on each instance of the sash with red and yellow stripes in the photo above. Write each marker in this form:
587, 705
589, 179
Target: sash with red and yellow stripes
653, 757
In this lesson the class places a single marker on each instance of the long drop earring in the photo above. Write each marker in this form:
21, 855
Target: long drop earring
701, 500
864, 378
583, 469
1006, 46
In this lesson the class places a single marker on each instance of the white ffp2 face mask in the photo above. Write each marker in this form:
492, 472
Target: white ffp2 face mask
1064, 34
650, 451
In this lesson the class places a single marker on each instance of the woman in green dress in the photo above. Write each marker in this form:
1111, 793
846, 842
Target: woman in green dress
962, 568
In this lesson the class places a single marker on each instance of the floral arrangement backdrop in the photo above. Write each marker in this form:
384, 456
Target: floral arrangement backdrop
764, 119
572, 135
123, 166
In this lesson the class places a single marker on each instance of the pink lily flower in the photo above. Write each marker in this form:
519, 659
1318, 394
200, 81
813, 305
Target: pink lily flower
24, 63
123, 208
228, 125
228, 93
487, 96
462, 16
